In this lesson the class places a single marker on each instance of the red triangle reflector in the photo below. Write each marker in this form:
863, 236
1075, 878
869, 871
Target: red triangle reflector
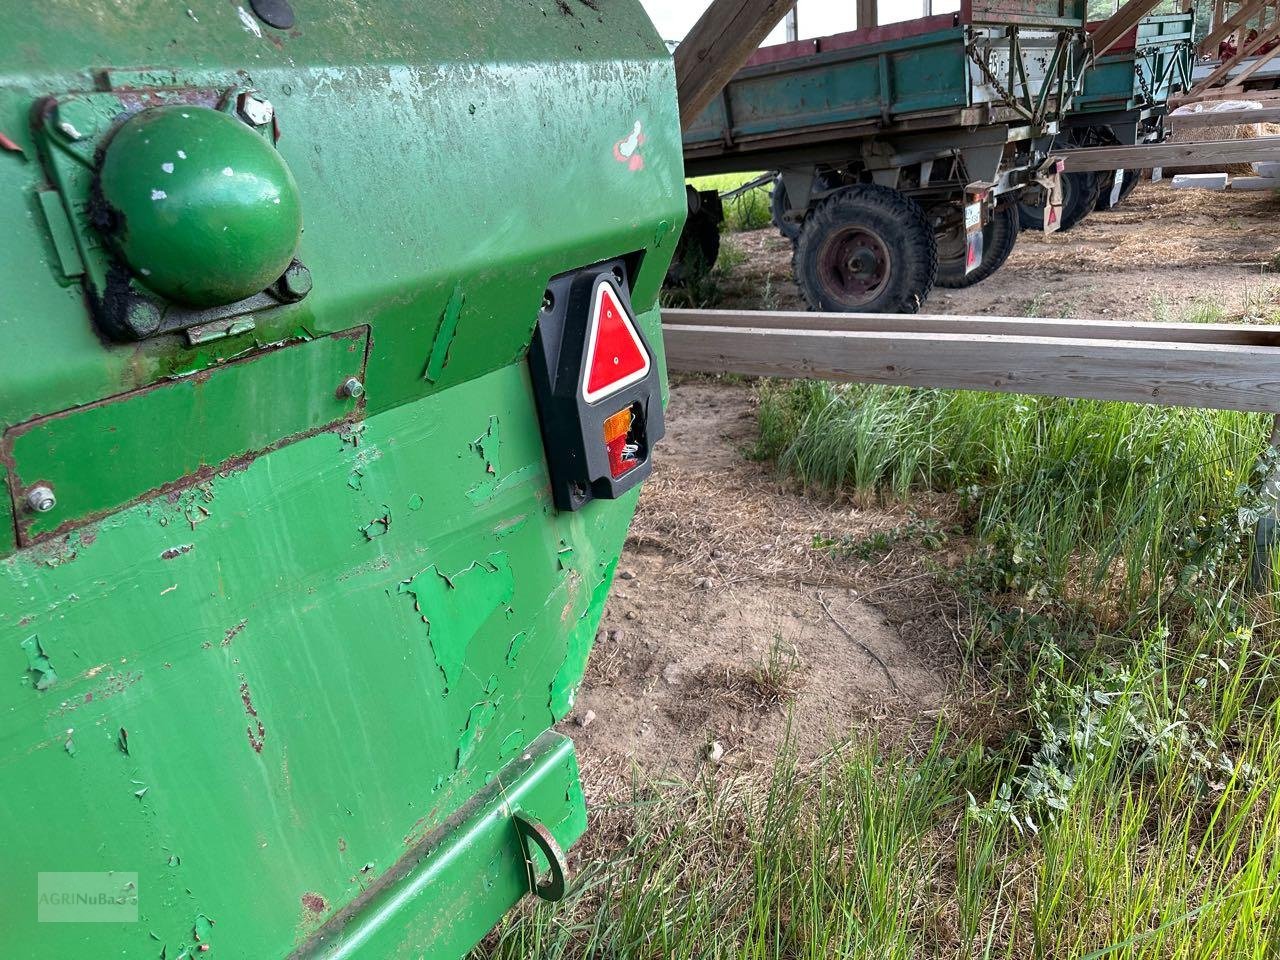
616, 356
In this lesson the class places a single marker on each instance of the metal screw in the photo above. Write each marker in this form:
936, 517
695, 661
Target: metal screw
353, 388
41, 499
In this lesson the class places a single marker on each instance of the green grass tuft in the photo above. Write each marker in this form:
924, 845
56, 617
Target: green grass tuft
750, 211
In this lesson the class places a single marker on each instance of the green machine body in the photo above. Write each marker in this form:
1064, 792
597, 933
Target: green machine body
289, 607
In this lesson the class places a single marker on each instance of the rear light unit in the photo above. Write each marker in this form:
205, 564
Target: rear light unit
597, 386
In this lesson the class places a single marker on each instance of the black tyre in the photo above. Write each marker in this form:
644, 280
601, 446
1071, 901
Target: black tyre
866, 248
1106, 182
697, 249
998, 238
1079, 197
778, 209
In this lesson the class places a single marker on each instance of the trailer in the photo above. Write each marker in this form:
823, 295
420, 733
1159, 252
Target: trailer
305, 535
901, 148
1122, 99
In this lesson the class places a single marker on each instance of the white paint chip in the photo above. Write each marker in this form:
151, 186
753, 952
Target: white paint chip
275, 200
167, 167
249, 22
228, 172
158, 195
182, 154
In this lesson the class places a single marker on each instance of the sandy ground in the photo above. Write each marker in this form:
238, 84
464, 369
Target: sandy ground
731, 628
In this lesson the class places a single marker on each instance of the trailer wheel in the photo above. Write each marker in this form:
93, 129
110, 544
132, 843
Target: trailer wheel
1105, 183
866, 248
697, 249
778, 208
778, 203
1079, 197
998, 238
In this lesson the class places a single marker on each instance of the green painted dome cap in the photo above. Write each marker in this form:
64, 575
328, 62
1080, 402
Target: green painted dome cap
203, 210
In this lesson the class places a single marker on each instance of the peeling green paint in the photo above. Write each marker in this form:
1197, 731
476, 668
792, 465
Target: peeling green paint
486, 447
445, 333
564, 687
379, 525
479, 718
514, 647
38, 663
454, 606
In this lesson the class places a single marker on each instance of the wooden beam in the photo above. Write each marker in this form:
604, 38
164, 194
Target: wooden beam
1210, 153
1221, 71
1231, 92
1229, 376
1241, 334
1209, 45
717, 46
1119, 23
866, 13
1225, 118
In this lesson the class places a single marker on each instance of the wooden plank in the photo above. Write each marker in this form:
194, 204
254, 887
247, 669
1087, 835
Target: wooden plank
1226, 118
1227, 377
726, 34
1119, 23
1243, 334
1210, 153
1209, 45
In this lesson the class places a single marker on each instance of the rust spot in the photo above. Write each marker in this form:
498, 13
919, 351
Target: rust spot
177, 551
256, 731
231, 634
314, 902
342, 845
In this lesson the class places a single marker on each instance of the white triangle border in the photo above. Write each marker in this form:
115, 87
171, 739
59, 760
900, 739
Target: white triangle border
635, 376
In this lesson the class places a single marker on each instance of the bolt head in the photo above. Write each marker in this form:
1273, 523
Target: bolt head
255, 110
353, 388
41, 499
295, 283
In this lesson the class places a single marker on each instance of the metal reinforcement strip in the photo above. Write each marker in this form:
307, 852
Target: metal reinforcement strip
1219, 366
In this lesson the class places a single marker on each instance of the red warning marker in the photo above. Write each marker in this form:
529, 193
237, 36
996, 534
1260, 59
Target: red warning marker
616, 356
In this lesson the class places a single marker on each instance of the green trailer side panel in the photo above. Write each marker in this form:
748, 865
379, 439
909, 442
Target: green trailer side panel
1144, 76
898, 77
293, 672
285, 654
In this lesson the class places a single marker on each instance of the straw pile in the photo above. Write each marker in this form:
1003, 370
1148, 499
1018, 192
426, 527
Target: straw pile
1241, 131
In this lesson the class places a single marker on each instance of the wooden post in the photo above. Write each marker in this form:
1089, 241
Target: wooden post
720, 42
1120, 23
867, 13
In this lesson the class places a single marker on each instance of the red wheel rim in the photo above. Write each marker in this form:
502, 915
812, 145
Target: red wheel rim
854, 265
